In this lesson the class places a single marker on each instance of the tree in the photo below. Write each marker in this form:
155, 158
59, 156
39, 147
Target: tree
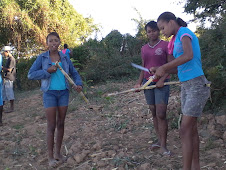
26, 23
212, 44
206, 9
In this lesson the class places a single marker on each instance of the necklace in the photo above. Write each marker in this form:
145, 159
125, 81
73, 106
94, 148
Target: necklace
154, 45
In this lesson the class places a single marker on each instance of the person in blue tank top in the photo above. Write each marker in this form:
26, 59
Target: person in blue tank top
55, 92
184, 46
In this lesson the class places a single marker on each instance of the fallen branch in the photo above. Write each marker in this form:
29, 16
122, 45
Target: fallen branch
142, 88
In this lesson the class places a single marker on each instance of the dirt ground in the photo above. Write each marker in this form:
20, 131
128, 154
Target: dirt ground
115, 136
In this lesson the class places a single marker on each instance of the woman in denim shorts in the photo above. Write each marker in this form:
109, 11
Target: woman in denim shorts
184, 46
55, 92
155, 54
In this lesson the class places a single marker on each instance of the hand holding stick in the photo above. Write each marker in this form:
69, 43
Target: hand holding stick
142, 88
72, 82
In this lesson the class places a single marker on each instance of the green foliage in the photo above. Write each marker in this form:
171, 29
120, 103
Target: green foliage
22, 82
213, 48
109, 58
26, 23
206, 9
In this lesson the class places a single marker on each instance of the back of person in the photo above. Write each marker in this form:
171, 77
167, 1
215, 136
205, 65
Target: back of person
66, 51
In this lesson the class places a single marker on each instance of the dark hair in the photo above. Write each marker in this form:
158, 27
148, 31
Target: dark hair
167, 16
65, 46
152, 25
52, 33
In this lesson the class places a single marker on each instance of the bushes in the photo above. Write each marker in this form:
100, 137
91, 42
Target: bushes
22, 82
109, 58
213, 48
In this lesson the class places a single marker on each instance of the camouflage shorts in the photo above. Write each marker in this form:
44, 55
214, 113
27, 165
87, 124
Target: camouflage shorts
194, 95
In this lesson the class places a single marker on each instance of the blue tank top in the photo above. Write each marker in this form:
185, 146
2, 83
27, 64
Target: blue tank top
57, 80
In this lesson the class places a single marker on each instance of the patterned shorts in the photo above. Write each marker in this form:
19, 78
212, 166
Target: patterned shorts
194, 95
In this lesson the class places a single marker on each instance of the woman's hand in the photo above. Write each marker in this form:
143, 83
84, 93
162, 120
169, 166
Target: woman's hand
160, 84
160, 72
52, 69
153, 70
137, 86
77, 88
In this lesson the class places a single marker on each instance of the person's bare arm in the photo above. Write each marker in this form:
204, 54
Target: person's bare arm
185, 57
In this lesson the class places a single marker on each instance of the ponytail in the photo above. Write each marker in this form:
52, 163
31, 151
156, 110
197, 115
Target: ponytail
167, 16
181, 22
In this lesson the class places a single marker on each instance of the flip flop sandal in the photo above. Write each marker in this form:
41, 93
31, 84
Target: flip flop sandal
155, 146
54, 163
166, 153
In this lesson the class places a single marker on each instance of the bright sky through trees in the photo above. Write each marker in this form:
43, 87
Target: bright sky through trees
117, 14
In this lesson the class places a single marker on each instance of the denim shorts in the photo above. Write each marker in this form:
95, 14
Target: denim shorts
156, 95
194, 95
55, 98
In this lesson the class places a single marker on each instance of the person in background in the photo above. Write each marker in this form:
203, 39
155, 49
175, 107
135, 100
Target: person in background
1, 100
67, 51
155, 54
195, 88
9, 76
55, 92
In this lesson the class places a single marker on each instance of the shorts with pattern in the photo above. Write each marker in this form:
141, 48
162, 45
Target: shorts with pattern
194, 95
156, 95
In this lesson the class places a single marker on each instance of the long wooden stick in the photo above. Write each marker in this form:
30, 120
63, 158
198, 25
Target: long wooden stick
71, 81
142, 88
151, 78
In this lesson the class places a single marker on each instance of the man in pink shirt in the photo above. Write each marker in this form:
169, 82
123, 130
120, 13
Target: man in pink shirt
155, 54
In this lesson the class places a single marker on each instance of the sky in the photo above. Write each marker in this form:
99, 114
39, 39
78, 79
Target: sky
118, 14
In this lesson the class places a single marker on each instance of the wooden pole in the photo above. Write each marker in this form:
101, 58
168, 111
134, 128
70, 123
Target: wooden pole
142, 88
71, 81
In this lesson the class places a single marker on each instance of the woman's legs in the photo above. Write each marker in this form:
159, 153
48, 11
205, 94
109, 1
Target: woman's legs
51, 125
60, 130
190, 143
155, 122
162, 125
195, 156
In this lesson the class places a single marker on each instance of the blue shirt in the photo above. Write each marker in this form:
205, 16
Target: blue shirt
192, 68
38, 70
66, 52
0, 68
57, 80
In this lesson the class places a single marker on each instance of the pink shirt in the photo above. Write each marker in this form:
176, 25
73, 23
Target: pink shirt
154, 56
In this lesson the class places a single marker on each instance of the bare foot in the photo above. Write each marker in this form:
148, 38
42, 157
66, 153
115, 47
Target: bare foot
61, 159
53, 163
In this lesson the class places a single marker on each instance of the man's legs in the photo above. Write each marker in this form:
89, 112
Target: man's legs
1, 108
12, 105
